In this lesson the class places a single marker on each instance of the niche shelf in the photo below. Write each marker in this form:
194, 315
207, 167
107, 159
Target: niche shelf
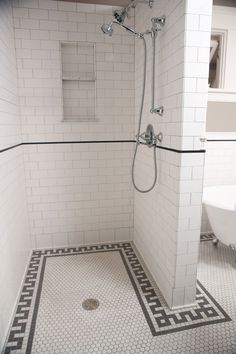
78, 81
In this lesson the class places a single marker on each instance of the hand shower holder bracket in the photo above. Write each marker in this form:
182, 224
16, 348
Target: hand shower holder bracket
157, 24
150, 3
158, 110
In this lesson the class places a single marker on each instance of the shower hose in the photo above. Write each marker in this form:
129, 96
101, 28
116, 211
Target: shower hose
139, 128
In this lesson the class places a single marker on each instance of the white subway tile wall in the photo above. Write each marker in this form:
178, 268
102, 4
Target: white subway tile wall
40, 28
167, 220
76, 193
9, 119
82, 193
14, 233
79, 193
79, 103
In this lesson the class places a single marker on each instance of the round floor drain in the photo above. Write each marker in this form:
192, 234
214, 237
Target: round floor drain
90, 304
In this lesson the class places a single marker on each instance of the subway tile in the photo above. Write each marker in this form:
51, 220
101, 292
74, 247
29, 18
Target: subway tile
38, 14
66, 6
29, 24
199, 7
87, 174
48, 4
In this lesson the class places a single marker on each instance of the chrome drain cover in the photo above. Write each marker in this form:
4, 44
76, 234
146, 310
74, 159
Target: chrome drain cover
90, 304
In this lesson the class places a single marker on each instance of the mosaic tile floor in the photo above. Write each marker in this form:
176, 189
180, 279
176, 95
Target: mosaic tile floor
132, 316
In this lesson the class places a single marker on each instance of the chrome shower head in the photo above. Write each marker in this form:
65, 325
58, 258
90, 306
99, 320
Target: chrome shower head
120, 15
107, 28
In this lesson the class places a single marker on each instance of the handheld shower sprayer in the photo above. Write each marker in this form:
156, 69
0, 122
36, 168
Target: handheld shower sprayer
148, 138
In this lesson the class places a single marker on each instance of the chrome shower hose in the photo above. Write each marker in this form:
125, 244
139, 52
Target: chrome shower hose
139, 128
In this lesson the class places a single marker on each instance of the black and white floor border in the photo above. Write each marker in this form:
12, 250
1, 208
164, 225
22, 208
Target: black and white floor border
160, 319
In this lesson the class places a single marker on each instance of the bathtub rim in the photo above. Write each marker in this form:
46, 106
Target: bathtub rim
217, 202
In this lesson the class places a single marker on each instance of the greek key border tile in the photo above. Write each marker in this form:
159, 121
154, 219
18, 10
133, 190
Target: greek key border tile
159, 317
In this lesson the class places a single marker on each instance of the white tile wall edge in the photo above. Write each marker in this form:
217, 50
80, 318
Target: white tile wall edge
186, 128
14, 235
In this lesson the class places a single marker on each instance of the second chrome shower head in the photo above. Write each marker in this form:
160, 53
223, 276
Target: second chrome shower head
120, 15
107, 28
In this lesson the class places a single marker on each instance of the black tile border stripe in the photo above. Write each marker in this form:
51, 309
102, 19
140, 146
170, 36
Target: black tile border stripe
36, 307
66, 142
77, 142
202, 151
160, 320
11, 147
220, 140
145, 312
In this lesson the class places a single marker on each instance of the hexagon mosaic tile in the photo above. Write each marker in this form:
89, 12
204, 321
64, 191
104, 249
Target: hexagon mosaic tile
131, 316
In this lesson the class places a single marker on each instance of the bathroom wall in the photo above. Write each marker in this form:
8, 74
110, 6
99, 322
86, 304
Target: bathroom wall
221, 117
229, 3
220, 123
78, 192
78, 174
167, 220
14, 235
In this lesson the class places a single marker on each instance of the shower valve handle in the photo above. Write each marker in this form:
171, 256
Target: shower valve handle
149, 138
159, 137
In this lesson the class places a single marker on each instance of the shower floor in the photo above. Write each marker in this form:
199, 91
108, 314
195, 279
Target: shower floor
131, 316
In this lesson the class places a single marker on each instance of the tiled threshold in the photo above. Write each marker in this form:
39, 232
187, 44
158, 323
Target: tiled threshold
132, 316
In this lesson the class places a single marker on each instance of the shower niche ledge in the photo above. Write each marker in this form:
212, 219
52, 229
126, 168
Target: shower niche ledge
78, 75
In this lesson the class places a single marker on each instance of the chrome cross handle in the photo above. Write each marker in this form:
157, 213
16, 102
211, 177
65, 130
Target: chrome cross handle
149, 138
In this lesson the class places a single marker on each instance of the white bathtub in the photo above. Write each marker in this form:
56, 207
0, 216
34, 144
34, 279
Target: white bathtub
220, 203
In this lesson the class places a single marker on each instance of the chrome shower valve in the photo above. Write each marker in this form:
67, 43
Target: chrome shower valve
149, 138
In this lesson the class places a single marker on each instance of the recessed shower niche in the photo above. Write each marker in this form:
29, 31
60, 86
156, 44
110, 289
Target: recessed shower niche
78, 81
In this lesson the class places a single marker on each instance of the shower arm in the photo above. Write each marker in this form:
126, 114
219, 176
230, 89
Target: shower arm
129, 29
